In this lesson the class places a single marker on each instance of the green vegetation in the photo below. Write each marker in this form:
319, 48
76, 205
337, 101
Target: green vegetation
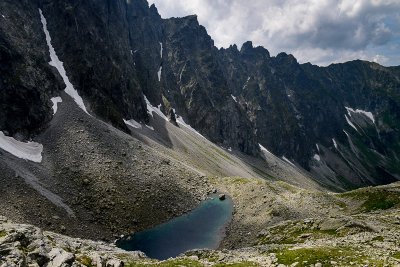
237, 180
263, 173
323, 255
51, 240
375, 198
3, 233
240, 264
287, 186
188, 263
223, 154
209, 255
169, 263
378, 238
293, 234
85, 260
396, 255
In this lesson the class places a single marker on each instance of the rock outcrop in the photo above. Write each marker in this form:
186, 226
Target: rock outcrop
26, 245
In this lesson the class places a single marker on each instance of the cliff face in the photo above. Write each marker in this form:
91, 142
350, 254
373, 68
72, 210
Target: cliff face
338, 122
26, 80
116, 52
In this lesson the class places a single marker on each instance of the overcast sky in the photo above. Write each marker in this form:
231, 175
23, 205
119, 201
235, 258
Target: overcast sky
316, 31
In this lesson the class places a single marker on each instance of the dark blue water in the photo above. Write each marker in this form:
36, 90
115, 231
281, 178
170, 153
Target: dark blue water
203, 227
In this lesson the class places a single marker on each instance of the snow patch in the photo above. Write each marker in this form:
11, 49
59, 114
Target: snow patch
288, 161
353, 148
55, 101
150, 127
365, 113
349, 122
234, 98
230, 149
157, 110
3, 16
159, 74
245, 84
317, 147
334, 143
133, 123
317, 157
264, 149
180, 120
131, 52
161, 50
55, 62
31, 150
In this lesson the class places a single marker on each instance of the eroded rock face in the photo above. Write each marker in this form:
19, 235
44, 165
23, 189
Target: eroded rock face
299, 111
27, 81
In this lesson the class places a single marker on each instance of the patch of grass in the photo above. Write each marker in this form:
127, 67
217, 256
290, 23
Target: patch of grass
311, 255
378, 238
223, 154
340, 204
238, 264
293, 234
396, 255
66, 249
85, 260
169, 263
3, 233
323, 255
375, 198
209, 255
237, 180
287, 186
51, 240
263, 173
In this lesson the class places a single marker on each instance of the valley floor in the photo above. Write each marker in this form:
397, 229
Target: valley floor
295, 227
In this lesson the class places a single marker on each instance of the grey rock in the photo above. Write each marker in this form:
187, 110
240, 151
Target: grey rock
59, 256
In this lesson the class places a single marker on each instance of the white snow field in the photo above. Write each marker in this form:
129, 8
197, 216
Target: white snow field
30, 151
55, 101
55, 62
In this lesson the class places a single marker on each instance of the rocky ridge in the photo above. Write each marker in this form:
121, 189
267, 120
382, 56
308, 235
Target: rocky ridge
117, 53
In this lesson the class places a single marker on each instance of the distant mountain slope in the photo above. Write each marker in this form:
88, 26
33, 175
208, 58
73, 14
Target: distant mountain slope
339, 123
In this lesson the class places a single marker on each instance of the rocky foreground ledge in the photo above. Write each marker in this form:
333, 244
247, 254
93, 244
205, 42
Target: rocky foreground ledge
26, 245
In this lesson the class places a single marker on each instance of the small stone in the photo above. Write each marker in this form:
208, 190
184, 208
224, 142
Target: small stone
305, 235
114, 263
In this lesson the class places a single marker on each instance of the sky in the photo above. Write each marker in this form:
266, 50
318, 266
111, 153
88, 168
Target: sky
317, 31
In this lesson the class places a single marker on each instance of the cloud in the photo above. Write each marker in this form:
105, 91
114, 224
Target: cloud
380, 59
334, 29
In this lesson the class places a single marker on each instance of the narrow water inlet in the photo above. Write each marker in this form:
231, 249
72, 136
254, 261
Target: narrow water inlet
203, 227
